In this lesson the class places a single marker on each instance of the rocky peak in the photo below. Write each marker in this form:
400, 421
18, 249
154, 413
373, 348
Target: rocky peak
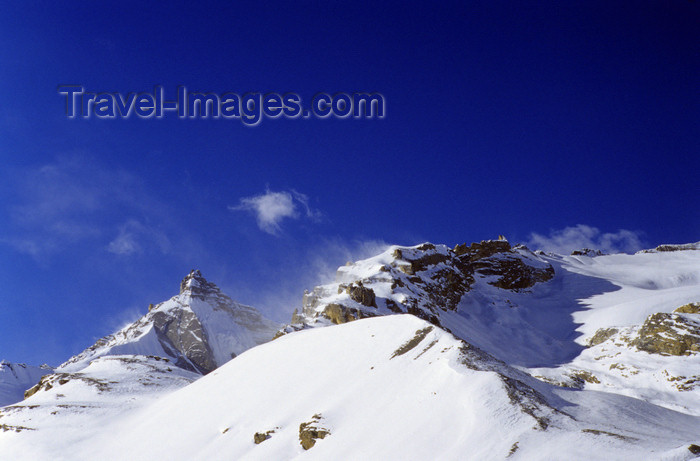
197, 286
587, 252
198, 330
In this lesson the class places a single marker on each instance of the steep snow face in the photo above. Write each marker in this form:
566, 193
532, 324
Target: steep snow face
393, 387
15, 378
200, 329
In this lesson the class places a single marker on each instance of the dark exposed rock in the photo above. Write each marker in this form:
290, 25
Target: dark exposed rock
311, 431
694, 449
359, 293
684, 247
7, 427
181, 334
602, 335
673, 247
683, 383
413, 342
609, 434
668, 334
392, 306
581, 376
513, 273
197, 285
422, 262
528, 399
337, 313
483, 249
691, 308
421, 314
260, 437
296, 318
587, 252
47, 382
183, 331
513, 449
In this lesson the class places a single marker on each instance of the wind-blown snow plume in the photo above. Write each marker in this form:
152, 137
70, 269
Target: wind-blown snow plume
565, 240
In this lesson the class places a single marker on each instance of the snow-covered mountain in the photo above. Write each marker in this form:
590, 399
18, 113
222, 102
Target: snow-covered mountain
175, 343
622, 323
15, 378
199, 330
508, 354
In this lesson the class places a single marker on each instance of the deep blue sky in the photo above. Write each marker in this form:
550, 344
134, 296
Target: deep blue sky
502, 118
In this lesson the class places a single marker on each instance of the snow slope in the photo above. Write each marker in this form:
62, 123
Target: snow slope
392, 387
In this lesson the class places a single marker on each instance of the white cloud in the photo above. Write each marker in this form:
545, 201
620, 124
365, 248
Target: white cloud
271, 208
563, 241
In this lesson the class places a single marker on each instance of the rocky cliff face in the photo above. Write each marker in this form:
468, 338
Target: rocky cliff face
198, 330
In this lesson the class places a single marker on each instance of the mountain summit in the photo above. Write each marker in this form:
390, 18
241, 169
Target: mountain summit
199, 330
196, 285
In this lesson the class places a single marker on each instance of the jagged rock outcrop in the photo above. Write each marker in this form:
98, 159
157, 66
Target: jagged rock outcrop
602, 335
311, 431
690, 308
587, 252
672, 334
425, 280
